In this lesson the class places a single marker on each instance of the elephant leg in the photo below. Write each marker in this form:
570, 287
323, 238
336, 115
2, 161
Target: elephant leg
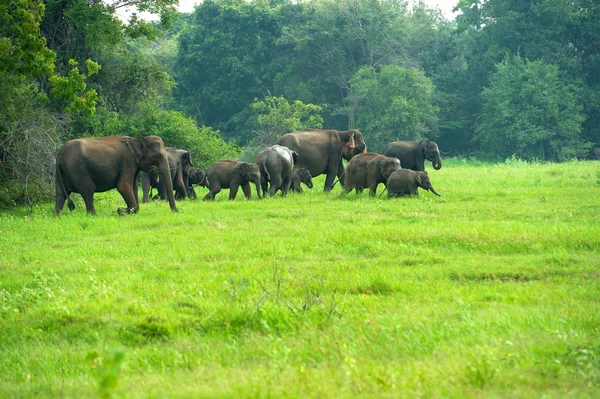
180, 190
233, 189
373, 189
275, 183
145, 188
333, 170
60, 201
247, 191
192, 193
214, 190
285, 186
136, 195
88, 198
126, 191
264, 184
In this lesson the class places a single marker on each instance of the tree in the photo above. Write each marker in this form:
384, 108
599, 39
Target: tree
530, 112
393, 104
275, 116
225, 60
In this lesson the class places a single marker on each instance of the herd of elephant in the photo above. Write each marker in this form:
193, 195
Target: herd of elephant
90, 165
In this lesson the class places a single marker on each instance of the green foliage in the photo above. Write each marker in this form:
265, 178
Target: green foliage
531, 112
393, 104
225, 59
276, 116
71, 89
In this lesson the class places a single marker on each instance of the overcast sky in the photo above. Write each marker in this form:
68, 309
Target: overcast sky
188, 6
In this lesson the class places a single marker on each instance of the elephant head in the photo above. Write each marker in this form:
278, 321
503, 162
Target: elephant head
197, 176
387, 166
353, 143
186, 160
301, 175
251, 173
424, 182
150, 156
432, 153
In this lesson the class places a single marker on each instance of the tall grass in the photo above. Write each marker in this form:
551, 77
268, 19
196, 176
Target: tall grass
491, 290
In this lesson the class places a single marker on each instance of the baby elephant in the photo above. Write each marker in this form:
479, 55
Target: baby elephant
197, 177
232, 175
368, 170
301, 175
406, 182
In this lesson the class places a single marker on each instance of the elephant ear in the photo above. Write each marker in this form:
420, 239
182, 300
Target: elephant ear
294, 157
419, 179
351, 144
242, 169
137, 146
186, 157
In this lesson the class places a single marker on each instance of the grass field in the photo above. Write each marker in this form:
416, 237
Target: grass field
492, 290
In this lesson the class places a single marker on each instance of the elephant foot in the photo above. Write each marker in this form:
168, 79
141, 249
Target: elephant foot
125, 211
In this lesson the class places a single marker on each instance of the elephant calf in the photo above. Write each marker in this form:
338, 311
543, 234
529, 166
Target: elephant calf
406, 182
301, 175
198, 177
368, 170
232, 175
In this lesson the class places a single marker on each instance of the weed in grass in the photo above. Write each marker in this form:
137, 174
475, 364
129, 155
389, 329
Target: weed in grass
584, 361
481, 369
108, 368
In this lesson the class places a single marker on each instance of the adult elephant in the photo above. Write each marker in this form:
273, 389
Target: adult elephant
180, 162
276, 165
407, 182
368, 170
198, 177
412, 154
232, 175
93, 165
321, 151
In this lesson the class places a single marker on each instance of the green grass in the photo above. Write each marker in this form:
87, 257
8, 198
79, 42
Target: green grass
492, 290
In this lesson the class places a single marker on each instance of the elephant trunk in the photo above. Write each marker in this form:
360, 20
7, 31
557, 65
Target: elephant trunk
435, 192
165, 176
257, 184
437, 165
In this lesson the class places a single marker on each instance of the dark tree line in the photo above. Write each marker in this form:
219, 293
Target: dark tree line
506, 77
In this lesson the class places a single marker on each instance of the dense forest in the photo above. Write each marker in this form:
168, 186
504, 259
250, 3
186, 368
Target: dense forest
504, 78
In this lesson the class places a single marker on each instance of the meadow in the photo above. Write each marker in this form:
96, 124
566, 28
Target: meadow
490, 291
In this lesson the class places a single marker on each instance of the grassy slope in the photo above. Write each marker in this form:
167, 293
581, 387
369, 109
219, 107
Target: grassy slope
491, 290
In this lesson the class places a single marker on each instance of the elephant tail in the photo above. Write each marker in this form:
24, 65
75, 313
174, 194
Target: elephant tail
340, 178
60, 182
264, 167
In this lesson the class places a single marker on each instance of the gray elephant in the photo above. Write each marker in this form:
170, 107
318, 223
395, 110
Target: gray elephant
301, 175
321, 151
368, 170
276, 164
406, 182
180, 162
412, 154
232, 175
198, 177
94, 165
